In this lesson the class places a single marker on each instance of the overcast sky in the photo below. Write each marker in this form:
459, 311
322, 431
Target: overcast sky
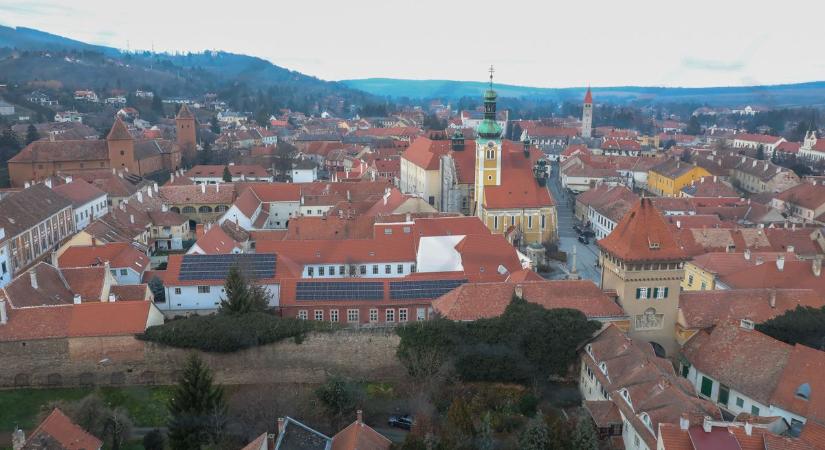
535, 43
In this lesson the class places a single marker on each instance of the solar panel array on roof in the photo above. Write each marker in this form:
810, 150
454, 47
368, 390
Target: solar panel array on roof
336, 290
216, 267
405, 290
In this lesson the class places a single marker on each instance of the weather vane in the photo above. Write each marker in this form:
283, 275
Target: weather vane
491, 75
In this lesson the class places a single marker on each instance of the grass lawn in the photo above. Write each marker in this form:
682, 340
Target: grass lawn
146, 404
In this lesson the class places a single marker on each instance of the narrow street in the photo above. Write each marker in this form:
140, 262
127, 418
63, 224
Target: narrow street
586, 255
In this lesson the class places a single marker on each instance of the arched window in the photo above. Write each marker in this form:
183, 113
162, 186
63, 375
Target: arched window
646, 419
175, 209
188, 210
205, 209
804, 391
603, 368
221, 208
626, 395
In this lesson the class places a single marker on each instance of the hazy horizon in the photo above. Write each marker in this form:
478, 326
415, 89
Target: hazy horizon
601, 43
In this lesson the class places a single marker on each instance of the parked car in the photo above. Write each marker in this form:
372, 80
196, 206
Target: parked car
578, 229
583, 239
587, 232
401, 421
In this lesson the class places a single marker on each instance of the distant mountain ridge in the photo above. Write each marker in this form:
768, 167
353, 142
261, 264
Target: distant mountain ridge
239, 77
798, 94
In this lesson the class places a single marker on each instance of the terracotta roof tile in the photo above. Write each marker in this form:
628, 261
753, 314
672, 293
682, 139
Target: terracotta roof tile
359, 436
79, 192
704, 309
119, 131
64, 432
643, 235
474, 301
118, 254
805, 366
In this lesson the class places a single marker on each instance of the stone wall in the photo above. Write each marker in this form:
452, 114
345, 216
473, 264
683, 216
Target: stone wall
103, 361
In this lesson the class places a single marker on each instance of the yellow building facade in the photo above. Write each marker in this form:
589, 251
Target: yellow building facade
668, 179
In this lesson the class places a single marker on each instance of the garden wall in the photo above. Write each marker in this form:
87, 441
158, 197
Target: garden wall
367, 354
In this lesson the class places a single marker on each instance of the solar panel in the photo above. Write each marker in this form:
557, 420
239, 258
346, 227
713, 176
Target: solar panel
216, 267
337, 290
406, 290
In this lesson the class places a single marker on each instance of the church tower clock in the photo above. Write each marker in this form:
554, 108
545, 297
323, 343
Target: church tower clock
488, 149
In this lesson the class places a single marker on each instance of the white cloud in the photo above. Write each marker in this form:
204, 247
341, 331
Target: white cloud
531, 42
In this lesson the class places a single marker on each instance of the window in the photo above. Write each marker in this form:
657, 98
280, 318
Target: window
402, 314
685, 369
302, 314
707, 386
311, 271
375, 269
420, 314
659, 292
724, 395
389, 315
331, 270
387, 269
543, 219
319, 314
412, 268
352, 315
740, 402
529, 222
495, 223
363, 269
690, 280
177, 291
321, 271
400, 268
333, 315
342, 270
704, 286
804, 391
641, 292
373, 315
203, 289
114, 272
754, 410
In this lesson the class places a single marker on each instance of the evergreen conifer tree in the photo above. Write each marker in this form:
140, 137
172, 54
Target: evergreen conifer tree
197, 408
227, 176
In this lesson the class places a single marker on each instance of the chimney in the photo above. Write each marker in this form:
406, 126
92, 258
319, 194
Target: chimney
203, 189
155, 185
172, 177
33, 278
679, 224
684, 422
68, 179
359, 416
281, 425
149, 191
519, 291
759, 261
714, 178
4, 318
772, 300
48, 182
791, 249
747, 254
77, 299
164, 208
120, 174
132, 218
748, 428
26, 185
112, 298
780, 263
707, 425
816, 266
139, 197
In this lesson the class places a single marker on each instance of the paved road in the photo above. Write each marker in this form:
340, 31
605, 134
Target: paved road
586, 255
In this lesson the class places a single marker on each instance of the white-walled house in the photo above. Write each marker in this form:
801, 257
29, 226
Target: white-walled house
195, 283
767, 378
265, 206
88, 202
126, 263
5, 262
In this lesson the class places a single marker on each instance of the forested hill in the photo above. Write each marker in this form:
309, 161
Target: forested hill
801, 94
246, 82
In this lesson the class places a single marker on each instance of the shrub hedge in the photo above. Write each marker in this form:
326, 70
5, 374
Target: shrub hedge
228, 333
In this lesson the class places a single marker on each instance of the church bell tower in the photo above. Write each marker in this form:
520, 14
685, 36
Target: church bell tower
488, 149
587, 115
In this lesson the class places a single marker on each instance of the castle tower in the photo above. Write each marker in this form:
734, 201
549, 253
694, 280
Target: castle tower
121, 147
185, 127
644, 264
488, 149
587, 115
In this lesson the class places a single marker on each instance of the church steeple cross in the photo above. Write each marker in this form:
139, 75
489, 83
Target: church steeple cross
492, 70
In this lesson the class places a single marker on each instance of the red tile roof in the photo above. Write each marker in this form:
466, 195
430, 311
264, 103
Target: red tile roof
704, 309
216, 241
474, 301
519, 188
805, 366
359, 436
730, 353
120, 255
79, 192
130, 292
807, 195
58, 427
119, 132
217, 171
643, 235
89, 282
588, 97
760, 138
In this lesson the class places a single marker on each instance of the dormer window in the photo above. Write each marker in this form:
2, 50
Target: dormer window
653, 245
626, 395
804, 391
646, 420
603, 368
589, 350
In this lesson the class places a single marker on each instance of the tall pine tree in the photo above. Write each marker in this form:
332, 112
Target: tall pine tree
197, 409
31, 134
227, 175
237, 293
584, 436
